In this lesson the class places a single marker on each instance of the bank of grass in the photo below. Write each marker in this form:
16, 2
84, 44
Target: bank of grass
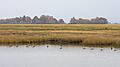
98, 35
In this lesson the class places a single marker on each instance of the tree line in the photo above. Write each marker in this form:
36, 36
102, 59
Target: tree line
46, 19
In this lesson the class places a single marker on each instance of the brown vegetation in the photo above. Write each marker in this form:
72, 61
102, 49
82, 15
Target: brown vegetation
75, 34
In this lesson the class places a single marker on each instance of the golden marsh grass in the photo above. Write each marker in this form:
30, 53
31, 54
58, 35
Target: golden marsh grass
75, 34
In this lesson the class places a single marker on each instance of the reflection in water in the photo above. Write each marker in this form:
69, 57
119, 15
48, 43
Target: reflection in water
53, 56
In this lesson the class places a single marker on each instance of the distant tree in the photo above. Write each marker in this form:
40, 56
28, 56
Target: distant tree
35, 19
61, 21
44, 18
73, 21
97, 20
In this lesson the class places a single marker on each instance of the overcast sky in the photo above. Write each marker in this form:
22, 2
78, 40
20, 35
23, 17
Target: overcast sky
60, 8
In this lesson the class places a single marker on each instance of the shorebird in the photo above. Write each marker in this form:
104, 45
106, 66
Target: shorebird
115, 50
10, 45
33, 46
47, 46
27, 45
92, 49
111, 48
84, 48
60, 46
17, 46
101, 49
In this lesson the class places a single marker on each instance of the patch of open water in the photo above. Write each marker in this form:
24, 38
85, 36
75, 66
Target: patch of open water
57, 56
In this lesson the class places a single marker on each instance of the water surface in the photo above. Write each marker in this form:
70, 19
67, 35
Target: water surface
55, 56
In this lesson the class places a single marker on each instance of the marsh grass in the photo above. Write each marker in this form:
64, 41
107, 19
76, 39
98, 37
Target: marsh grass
74, 34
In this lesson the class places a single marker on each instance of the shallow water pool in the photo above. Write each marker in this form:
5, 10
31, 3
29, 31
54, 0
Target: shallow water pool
57, 56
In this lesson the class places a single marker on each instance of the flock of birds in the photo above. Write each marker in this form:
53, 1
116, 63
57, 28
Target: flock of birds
61, 47
101, 49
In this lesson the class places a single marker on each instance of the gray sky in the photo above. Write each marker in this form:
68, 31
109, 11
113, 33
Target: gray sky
60, 8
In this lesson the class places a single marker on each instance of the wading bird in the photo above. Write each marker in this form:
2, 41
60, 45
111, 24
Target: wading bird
60, 46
